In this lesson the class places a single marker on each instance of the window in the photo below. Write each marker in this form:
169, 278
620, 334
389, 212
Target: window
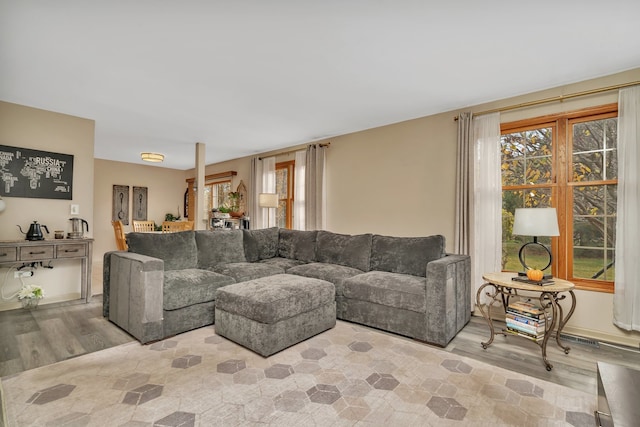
216, 194
568, 162
284, 188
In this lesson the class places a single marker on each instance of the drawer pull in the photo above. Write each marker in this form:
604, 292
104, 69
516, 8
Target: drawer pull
4, 254
71, 250
37, 253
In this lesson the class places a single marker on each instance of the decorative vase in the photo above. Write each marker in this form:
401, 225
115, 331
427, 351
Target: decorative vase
30, 303
236, 214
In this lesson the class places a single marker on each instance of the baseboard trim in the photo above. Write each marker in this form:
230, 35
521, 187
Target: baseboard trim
602, 336
599, 336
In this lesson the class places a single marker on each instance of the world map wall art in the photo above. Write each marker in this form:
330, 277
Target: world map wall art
35, 174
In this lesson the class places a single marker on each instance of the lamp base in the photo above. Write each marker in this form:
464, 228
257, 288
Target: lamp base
533, 245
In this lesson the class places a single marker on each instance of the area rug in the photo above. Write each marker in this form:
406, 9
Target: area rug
349, 375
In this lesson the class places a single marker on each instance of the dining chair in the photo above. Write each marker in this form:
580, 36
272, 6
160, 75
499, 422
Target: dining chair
121, 241
142, 226
172, 226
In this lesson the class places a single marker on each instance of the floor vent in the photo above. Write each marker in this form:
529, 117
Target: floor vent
579, 340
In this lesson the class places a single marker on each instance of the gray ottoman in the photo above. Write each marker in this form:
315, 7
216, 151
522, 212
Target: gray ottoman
271, 313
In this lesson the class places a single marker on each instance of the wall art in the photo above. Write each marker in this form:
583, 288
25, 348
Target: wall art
35, 174
139, 211
120, 207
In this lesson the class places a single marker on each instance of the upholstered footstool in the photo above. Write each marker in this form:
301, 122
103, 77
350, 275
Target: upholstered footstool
271, 313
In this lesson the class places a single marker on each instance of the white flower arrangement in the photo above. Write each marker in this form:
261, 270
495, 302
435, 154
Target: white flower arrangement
30, 292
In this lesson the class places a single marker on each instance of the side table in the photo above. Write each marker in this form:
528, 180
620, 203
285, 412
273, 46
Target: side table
503, 288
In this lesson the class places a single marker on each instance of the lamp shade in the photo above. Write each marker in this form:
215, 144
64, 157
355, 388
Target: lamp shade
536, 222
152, 157
268, 200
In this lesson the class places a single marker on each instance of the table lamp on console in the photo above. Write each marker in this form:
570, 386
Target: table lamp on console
535, 222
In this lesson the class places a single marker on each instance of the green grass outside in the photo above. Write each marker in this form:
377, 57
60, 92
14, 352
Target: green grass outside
583, 267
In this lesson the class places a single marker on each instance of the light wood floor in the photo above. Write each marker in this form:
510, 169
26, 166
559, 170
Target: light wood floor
29, 339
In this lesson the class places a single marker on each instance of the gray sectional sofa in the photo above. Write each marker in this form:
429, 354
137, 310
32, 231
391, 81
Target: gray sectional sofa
166, 283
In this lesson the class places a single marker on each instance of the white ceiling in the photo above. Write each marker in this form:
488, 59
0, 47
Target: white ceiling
250, 76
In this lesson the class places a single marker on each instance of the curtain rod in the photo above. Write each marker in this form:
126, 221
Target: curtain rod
556, 98
293, 151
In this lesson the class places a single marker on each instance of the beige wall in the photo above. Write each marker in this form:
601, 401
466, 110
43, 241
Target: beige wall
26, 127
165, 192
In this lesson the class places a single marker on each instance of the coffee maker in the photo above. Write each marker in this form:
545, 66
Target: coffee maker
78, 226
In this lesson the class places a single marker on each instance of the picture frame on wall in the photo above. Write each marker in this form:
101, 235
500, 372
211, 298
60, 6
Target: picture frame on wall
120, 205
36, 174
139, 204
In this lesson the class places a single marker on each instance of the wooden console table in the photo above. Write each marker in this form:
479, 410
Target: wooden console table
505, 287
27, 252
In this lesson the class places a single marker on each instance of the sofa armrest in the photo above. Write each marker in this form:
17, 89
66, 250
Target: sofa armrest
136, 294
448, 292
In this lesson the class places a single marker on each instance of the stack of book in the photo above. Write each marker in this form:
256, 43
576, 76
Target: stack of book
526, 319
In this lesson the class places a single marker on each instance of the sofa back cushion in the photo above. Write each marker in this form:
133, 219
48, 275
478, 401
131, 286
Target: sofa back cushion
177, 250
219, 247
296, 244
405, 255
344, 249
260, 244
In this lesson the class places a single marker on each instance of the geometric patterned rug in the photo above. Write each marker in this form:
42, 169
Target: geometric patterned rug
349, 375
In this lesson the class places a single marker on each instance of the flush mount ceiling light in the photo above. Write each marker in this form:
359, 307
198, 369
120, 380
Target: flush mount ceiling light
152, 157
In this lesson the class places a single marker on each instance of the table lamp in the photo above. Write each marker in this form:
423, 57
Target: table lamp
268, 200
535, 222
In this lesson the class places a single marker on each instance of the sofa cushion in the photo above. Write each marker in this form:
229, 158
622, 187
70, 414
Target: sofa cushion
405, 255
330, 272
177, 250
275, 298
283, 263
396, 290
343, 249
296, 244
183, 288
260, 244
244, 271
218, 247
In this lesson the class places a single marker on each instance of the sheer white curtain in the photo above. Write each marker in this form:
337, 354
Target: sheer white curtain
626, 300
298, 191
315, 206
486, 221
268, 186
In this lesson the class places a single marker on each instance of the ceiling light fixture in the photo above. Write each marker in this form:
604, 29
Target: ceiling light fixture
152, 157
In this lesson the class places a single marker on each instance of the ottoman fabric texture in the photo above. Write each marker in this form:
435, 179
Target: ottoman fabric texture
274, 298
272, 313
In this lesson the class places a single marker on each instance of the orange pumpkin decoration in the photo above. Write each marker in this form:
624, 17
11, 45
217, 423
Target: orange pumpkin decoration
535, 275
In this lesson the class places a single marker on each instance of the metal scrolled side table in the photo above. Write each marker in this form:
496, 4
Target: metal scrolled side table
504, 287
